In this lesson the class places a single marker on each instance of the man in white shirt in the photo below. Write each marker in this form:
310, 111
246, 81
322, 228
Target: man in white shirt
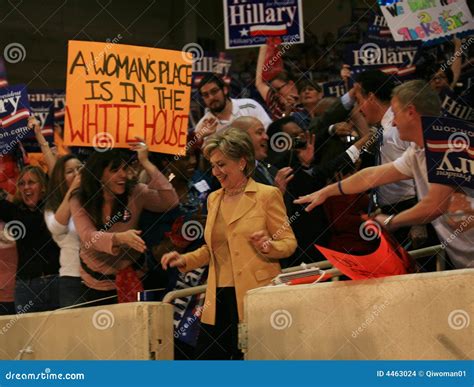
410, 101
221, 110
373, 94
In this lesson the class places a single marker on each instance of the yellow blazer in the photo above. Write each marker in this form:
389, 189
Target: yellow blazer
260, 208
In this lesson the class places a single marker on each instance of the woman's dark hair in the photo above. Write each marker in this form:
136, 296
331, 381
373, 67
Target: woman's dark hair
277, 125
91, 195
378, 83
211, 78
301, 85
57, 186
279, 157
445, 69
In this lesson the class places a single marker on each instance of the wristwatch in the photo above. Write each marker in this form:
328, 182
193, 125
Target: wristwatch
387, 221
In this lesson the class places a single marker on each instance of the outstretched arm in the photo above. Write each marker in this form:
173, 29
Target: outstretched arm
361, 181
433, 205
261, 86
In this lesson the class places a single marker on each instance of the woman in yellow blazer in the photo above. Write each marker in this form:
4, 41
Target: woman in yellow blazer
246, 231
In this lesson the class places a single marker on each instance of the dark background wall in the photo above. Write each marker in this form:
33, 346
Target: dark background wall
44, 28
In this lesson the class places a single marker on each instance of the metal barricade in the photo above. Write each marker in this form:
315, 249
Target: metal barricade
437, 251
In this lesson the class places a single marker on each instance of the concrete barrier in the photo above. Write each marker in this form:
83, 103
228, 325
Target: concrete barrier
415, 316
132, 331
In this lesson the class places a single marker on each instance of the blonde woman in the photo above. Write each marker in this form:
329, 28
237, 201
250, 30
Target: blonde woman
246, 231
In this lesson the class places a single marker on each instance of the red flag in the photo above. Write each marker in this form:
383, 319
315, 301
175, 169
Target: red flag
385, 261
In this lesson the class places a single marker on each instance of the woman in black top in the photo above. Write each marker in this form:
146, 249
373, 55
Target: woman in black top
38, 255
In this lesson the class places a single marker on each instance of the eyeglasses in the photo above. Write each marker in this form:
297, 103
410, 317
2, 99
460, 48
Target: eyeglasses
210, 93
279, 88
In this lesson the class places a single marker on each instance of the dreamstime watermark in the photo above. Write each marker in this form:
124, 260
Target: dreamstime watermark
191, 320
14, 53
457, 54
192, 230
457, 231
458, 319
103, 319
281, 142
109, 44
189, 145
377, 309
14, 230
15, 318
370, 53
19, 133
281, 51
370, 230
103, 142
283, 228
459, 142
281, 319
375, 138
195, 50
46, 375
107, 226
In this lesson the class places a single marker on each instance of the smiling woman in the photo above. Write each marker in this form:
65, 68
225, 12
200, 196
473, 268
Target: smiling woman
247, 230
105, 211
38, 254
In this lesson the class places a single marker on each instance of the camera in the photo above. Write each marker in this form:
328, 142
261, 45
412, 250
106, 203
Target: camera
298, 143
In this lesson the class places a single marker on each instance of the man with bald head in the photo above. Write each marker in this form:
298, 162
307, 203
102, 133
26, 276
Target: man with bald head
264, 173
257, 133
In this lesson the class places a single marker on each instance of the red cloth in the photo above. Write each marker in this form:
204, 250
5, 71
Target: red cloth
176, 235
8, 173
273, 64
128, 285
389, 259
344, 216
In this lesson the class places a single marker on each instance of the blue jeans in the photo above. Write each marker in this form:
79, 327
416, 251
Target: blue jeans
71, 291
37, 294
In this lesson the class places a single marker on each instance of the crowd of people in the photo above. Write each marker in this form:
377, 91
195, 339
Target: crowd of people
261, 183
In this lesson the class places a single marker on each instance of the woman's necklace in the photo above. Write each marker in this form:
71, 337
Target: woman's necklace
235, 191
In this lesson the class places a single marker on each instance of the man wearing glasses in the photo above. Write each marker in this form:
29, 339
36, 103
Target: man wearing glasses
281, 95
221, 110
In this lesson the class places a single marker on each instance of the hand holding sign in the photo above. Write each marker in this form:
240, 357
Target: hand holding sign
141, 148
127, 91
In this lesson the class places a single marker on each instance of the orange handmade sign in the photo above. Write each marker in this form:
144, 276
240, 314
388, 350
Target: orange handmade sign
117, 92
389, 258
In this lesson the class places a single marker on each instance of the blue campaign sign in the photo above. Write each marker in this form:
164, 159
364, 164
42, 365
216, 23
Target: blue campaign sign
449, 149
456, 106
44, 112
378, 28
56, 97
395, 58
248, 23
336, 88
211, 63
14, 113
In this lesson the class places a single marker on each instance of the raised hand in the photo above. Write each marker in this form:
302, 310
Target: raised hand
141, 148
